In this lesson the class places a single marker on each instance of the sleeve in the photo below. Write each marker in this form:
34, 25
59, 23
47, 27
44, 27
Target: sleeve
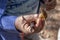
3, 4
6, 22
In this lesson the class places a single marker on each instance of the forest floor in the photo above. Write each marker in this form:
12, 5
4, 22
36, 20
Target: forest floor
50, 32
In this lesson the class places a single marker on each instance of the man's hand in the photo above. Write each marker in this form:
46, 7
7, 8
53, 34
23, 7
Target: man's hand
22, 23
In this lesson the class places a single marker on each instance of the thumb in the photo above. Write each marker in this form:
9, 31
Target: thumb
40, 22
37, 22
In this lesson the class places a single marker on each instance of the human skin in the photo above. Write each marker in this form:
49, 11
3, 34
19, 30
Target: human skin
22, 25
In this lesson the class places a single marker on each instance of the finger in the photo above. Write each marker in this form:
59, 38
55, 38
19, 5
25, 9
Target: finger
25, 26
25, 30
30, 30
31, 17
37, 30
38, 22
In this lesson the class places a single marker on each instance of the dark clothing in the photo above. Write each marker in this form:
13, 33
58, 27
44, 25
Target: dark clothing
9, 11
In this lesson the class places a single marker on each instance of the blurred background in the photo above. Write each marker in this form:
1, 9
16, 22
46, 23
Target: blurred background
51, 30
